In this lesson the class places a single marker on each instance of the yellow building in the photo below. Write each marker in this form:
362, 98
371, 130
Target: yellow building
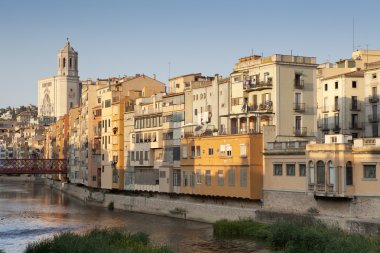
119, 94
223, 165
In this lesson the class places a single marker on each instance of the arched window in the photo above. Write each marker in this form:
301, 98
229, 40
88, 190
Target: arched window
349, 174
331, 173
320, 172
70, 63
311, 169
64, 62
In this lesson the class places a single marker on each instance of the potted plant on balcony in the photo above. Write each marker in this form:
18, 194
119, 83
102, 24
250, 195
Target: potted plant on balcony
215, 131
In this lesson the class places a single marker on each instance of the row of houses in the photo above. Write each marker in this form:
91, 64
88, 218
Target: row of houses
281, 129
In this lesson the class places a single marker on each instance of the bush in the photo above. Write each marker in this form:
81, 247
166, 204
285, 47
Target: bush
111, 206
97, 241
298, 237
240, 229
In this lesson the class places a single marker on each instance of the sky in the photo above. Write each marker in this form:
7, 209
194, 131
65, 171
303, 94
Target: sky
170, 37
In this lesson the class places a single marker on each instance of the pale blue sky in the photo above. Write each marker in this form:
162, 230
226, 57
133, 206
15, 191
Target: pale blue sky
126, 37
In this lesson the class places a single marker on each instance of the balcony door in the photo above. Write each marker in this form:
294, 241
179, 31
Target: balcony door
321, 177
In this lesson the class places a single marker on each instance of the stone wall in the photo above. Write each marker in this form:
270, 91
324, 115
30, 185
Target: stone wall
278, 206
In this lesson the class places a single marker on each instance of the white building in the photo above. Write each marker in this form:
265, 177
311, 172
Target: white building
57, 94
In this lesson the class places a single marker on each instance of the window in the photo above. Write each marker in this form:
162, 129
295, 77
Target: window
349, 174
231, 177
326, 86
185, 179
373, 75
192, 179
208, 177
184, 151
311, 170
229, 150
192, 151
220, 178
199, 176
369, 170
277, 169
195, 112
176, 178
336, 85
146, 155
302, 170
353, 84
290, 169
102, 157
210, 151
243, 177
243, 150
107, 103
198, 151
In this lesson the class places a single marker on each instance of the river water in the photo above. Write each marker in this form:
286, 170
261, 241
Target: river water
29, 212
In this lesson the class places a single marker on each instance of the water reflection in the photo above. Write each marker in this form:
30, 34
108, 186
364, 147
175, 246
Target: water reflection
29, 212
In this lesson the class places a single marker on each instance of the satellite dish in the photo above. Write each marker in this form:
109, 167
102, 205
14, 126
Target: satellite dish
197, 128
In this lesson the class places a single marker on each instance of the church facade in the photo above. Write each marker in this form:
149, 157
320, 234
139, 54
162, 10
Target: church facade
57, 94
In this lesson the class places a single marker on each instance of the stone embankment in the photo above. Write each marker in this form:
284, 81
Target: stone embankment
198, 209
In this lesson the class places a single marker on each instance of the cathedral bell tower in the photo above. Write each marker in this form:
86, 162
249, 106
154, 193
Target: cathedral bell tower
67, 61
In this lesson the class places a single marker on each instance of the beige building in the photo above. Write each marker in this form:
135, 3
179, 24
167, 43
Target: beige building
277, 90
57, 94
145, 149
372, 86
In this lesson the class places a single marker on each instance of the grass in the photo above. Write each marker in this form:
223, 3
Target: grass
297, 237
97, 241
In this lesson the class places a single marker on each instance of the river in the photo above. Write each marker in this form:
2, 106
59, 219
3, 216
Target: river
30, 212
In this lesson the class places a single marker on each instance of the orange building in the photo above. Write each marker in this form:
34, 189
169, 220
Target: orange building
223, 165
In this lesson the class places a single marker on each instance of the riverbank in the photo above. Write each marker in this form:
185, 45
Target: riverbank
97, 241
198, 209
299, 237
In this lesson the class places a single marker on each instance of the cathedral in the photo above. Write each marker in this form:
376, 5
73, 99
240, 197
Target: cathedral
57, 94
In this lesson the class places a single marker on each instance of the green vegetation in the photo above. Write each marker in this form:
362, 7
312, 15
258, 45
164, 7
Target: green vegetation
111, 206
97, 241
1, 251
301, 237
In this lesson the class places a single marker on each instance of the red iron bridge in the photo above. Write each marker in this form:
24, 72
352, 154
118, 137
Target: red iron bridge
33, 166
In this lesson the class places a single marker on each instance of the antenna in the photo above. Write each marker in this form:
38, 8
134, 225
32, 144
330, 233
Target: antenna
353, 34
169, 69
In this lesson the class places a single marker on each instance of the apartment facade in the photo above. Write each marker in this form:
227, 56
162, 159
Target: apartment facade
221, 165
74, 147
276, 90
145, 152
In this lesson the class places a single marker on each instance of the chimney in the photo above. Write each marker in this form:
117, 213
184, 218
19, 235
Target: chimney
154, 76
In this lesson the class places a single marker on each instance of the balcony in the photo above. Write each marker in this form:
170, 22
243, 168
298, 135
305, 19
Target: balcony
325, 128
253, 108
355, 106
148, 111
266, 107
336, 128
299, 131
373, 118
356, 125
258, 85
298, 84
335, 108
299, 107
373, 99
